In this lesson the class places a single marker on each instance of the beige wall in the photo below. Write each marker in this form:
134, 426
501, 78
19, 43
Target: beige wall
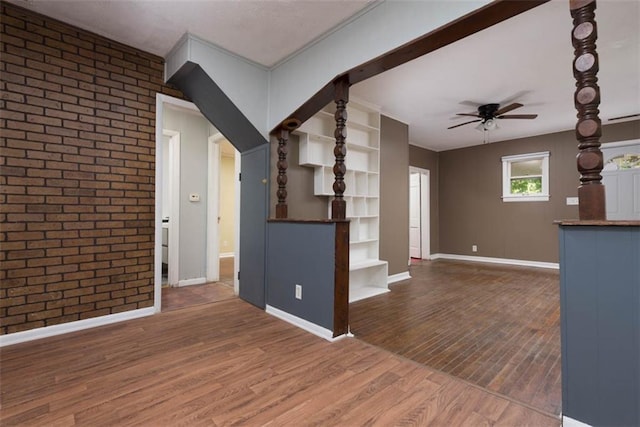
300, 199
472, 212
227, 204
427, 159
394, 194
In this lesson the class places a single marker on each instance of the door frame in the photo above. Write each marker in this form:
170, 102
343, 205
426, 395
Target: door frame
174, 206
161, 100
425, 206
213, 208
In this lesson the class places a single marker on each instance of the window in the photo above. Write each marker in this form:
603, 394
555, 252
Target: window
525, 177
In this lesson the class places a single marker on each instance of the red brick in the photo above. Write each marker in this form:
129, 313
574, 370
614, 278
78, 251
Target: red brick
27, 308
77, 178
40, 315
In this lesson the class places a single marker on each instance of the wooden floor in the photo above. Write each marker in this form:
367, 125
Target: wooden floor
495, 326
174, 298
232, 365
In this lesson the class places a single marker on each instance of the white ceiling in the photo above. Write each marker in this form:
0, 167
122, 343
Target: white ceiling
264, 31
526, 59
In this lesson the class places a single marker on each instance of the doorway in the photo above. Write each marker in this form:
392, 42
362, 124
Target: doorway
621, 178
189, 162
419, 218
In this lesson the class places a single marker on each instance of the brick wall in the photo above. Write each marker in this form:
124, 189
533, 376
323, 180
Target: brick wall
77, 123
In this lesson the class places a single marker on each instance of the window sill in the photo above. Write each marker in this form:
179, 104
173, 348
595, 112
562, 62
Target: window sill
542, 198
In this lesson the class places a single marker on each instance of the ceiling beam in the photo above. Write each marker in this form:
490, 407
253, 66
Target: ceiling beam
473, 22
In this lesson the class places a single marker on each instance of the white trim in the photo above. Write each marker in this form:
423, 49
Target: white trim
194, 281
398, 277
619, 144
491, 260
425, 211
174, 206
302, 324
226, 255
160, 100
79, 325
213, 208
157, 250
523, 198
570, 422
236, 259
506, 178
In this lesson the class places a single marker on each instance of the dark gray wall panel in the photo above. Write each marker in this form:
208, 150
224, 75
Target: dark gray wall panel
600, 308
216, 106
302, 253
254, 199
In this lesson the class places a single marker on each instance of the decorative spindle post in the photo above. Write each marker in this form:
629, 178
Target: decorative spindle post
341, 98
287, 126
281, 207
587, 99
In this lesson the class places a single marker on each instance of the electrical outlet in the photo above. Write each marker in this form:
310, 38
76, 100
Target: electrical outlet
298, 291
474, 248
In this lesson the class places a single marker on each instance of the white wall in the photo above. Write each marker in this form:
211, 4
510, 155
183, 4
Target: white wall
266, 97
243, 81
194, 132
381, 29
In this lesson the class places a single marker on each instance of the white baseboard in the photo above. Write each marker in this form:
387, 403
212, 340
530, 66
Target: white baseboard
398, 277
570, 422
227, 255
79, 325
303, 324
508, 261
191, 282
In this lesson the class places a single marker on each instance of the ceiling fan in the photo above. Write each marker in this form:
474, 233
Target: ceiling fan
488, 114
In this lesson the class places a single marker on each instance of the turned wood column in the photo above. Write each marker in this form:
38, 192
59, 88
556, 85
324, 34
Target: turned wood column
281, 206
587, 99
287, 126
341, 98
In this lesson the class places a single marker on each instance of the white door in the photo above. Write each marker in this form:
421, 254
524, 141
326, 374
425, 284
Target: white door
621, 177
414, 216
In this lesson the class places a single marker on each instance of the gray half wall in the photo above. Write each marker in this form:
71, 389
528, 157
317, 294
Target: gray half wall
302, 253
600, 306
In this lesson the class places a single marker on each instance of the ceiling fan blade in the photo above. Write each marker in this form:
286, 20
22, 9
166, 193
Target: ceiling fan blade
507, 108
467, 114
465, 123
519, 116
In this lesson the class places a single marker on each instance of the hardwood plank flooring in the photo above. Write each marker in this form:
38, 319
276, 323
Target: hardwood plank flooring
174, 298
232, 365
495, 326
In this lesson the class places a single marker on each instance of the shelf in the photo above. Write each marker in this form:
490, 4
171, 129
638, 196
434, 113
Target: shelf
366, 264
367, 273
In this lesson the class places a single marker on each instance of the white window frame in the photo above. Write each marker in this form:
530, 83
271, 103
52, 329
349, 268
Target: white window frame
506, 178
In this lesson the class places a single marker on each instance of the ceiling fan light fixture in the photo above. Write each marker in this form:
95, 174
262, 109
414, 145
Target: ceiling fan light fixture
490, 124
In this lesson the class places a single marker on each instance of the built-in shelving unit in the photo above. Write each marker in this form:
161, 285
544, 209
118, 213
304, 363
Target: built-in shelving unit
367, 273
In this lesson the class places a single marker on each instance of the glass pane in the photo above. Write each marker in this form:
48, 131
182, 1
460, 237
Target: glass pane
623, 162
526, 185
526, 167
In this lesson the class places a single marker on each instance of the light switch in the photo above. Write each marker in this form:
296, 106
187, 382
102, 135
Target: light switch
194, 197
